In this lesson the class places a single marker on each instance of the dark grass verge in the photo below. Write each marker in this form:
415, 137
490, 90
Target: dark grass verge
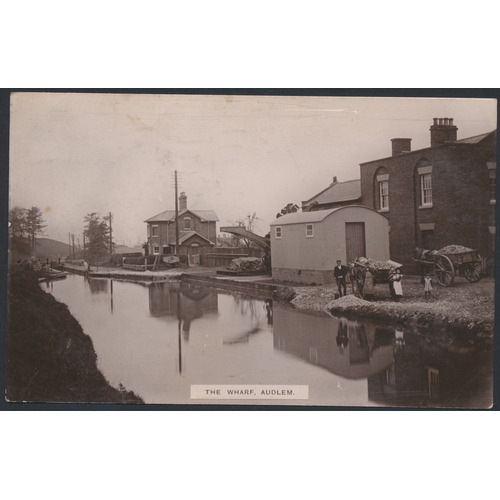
49, 357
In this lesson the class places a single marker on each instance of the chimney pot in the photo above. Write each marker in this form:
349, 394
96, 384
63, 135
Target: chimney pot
442, 132
182, 201
400, 146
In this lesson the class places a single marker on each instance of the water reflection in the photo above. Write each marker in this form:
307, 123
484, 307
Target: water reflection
344, 347
98, 285
432, 371
182, 301
401, 368
159, 339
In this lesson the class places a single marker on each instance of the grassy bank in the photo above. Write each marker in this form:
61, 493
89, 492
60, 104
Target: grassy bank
49, 357
464, 306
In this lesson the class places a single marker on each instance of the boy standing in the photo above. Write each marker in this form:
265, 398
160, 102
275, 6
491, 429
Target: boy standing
427, 286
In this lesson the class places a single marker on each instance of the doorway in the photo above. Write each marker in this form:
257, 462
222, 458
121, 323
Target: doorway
355, 240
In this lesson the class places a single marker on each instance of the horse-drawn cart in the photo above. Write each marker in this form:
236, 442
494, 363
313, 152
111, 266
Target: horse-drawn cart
446, 262
381, 272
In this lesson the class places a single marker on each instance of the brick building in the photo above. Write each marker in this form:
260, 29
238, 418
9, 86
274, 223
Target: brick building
197, 228
436, 196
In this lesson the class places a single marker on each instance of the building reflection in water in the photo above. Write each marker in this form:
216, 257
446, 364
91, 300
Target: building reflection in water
402, 368
182, 301
350, 349
98, 285
436, 372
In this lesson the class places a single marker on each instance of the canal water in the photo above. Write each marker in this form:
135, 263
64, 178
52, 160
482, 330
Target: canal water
161, 339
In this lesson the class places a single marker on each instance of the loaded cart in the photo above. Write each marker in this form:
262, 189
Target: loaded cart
381, 272
446, 262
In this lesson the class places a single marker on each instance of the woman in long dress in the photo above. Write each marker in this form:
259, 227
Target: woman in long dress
396, 283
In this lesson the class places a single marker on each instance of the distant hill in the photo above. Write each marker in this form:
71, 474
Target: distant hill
119, 249
46, 247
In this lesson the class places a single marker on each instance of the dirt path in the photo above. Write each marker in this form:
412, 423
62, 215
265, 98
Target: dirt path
468, 306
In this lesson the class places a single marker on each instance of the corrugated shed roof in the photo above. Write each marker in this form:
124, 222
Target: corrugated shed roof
338, 192
169, 215
302, 217
317, 216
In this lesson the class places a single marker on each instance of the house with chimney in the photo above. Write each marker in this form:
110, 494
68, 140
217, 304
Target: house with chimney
441, 195
196, 228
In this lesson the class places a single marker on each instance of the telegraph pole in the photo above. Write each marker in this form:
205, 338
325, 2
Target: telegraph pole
176, 218
110, 238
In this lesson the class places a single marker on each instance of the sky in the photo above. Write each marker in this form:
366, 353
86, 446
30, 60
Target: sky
74, 153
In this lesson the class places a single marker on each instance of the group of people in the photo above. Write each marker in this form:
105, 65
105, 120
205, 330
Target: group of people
395, 283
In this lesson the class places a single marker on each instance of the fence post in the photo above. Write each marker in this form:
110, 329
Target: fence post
145, 264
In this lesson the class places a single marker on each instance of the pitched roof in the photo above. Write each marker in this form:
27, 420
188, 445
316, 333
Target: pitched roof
190, 234
338, 192
169, 215
474, 140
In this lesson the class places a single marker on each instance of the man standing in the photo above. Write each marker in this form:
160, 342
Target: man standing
340, 272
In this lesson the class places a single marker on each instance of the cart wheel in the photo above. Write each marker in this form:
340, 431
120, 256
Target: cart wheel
444, 271
472, 271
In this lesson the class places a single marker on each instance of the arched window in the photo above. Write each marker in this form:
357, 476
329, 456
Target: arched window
424, 174
381, 190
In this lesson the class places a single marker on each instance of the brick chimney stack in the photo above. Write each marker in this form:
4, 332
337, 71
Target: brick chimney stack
443, 131
400, 146
182, 202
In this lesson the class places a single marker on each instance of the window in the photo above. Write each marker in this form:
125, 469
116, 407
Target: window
156, 249
155, 230
309, 230
384, 195
426, 190
493, 181
425, 178
277, 232
149, 230
187, 223
383, 192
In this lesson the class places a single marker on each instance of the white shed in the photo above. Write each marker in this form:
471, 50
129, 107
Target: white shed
306, 245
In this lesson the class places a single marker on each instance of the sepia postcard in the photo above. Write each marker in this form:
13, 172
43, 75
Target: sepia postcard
291, 250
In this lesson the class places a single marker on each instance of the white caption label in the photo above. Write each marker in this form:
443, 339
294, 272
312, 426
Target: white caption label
249, 392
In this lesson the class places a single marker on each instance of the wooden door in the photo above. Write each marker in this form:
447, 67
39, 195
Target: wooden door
355, 240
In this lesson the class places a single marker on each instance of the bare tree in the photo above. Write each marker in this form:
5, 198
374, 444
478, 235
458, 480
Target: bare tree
250, 223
